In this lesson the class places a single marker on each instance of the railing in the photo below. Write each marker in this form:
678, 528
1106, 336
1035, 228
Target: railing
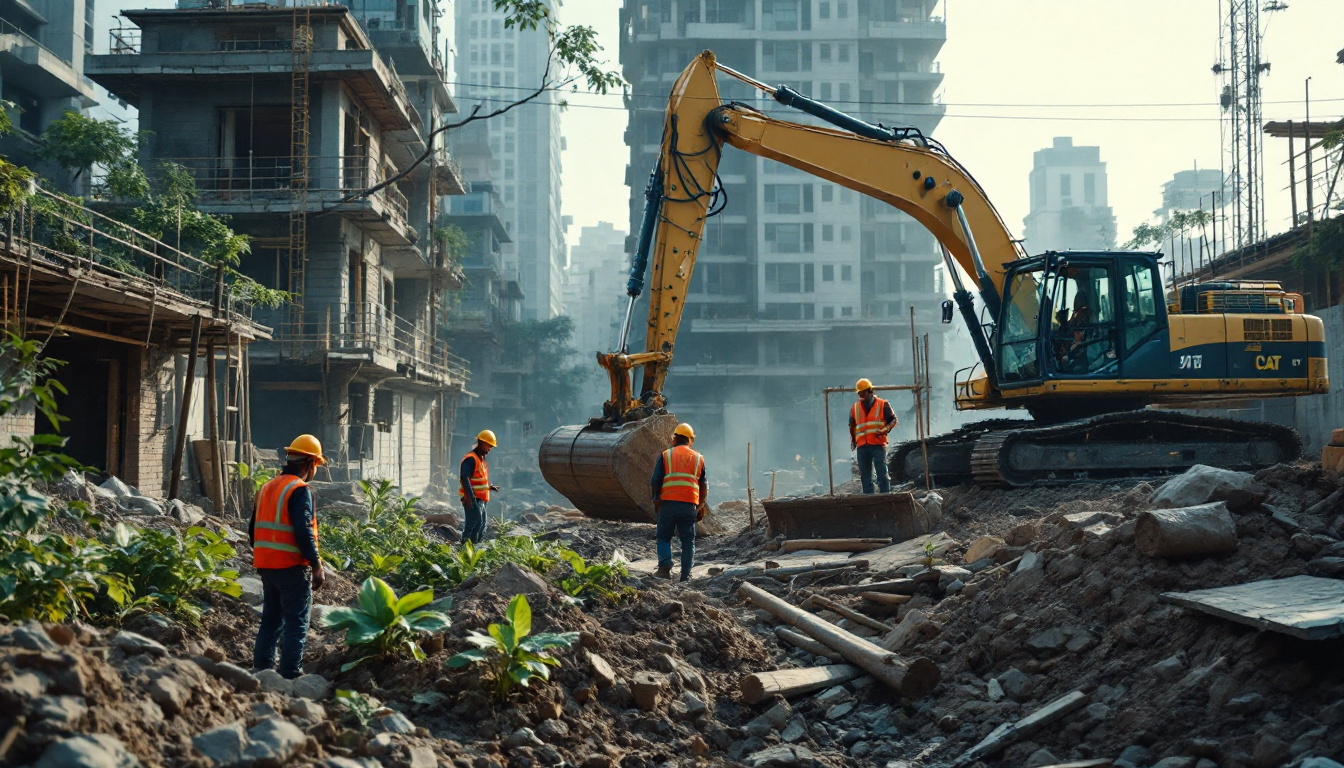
52, 229
268, 179
7, 28
370, 329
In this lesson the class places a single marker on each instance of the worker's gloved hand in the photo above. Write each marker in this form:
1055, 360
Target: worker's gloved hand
701, 511
494, 487
319, 578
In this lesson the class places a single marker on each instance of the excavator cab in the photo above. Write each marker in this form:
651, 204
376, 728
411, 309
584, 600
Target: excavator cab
1078, 315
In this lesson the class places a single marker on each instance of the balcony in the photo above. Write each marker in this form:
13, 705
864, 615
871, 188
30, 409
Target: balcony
934, 29
263, 185
31, 65
370, 335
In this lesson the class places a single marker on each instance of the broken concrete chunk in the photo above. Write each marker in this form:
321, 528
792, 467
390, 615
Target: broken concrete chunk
646, 688
984, 547
273, 741
1016, 684
1205, 529
134, 644
223, 745
92, 750
1022, 534
1308, 607
603, 674
994, 690
1202, 484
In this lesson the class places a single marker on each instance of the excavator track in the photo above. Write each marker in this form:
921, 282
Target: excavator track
949, 453
1116, 445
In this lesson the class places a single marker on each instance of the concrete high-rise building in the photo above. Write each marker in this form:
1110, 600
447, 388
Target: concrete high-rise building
42, 48
595, 298
801, 283
1198, 189
1069, 207
495, 66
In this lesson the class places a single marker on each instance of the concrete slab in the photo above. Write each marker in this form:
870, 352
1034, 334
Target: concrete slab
1308, 607
907, 552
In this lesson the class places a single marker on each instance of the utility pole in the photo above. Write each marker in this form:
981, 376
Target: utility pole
1311, 205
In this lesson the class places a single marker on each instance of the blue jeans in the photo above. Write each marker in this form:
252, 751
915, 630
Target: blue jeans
473, 529
287, 594
676, 517
873, 457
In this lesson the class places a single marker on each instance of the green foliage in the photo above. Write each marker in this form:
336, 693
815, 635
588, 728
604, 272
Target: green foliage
79, 142
362, 707
514, 655
16, 183
54, 577
165, 571
455, 243
385, 624
605, 580
29, 462
259, 474
574, 50
1325, 249
545, 344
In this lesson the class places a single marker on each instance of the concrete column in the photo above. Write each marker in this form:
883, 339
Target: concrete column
336, 410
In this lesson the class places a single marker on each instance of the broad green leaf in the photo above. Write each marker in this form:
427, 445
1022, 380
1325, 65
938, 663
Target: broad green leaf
349, 665
519, 615
413, 600
520, 674
486, 642
551, 640
429, 621
378, 600
504, 634
467, 657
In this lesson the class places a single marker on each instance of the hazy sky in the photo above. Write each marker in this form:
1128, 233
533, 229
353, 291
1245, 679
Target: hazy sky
1020, 72
1017, 75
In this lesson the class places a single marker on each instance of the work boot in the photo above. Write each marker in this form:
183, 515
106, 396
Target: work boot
663, 572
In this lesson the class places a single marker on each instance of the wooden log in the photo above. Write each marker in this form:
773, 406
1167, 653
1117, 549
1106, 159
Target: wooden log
882, 598
836, 545
792, 682
818, 601
799, 640
911, 678
1206, 529
896, 586
794, 570
807, 577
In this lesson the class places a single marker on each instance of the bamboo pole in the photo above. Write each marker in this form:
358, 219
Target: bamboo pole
215, 482
751, 503
180, 443
830, 461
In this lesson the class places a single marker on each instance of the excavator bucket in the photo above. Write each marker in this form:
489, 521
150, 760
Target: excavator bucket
604, 471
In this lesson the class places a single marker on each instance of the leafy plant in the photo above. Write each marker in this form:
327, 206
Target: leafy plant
55, 577
259, 474
602, 579
385, 624
381, 566
514, 655
364, 708
79, 142
166, 572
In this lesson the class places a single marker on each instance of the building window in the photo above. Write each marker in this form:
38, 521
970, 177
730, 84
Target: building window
1065, 185
827, 193
784, 57
823, 10
827, 313
846, 233
844, 93
827, 273
846, 273
827, 233
1089, 188
842, 10
790, 312
843, 49
825, 94
846, 311
789, 238
783, 198
725, 11
824, 50
496, 28
780, 15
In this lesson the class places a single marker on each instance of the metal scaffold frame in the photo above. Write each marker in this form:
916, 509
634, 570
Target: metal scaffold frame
301, 59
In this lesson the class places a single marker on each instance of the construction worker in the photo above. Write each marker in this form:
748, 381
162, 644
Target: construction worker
475, 487
680, 499
870, 419
283, 533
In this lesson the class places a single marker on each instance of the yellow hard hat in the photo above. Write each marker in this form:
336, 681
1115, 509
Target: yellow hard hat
307, 445
487, 437
863, 384
685, 430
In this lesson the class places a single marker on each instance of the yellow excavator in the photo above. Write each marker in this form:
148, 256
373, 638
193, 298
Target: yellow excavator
1083, 341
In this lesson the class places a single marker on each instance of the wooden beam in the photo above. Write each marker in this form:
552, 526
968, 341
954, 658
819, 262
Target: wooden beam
74, 329
822, 603
799, 640
792, 682
180, 445
836, 545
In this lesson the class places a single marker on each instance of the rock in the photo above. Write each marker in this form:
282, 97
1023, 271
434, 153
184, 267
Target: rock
274, 682
1270, 751
512, 579
134, 644
32, 637
252, 590
603, 674
1308, 544
695, 706
1327, 566
994, 690
646, 689
74, 487
1022, 534
242, 680
307, 710
274, 741
1017, 685
552, 730
1202, 484
171, 697
1319, 762
832, 696
1249, 703
598, 761
914, 627
118, 489
222, 746
839, 710
396, 723
1133, 756
778, 715
315, 687
781, 756
950, 573
1041, 757
523, 737
671, 608
187, 514
1169, 668
91, 750
1051, 639
795, 730
1328, 504
983, 547
420, 757
140, 505
1175, 762
59, 713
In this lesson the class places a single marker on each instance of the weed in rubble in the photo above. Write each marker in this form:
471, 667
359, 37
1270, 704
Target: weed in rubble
512, 654
165, 571
364, 708
260, 474
383, 565
55, 578
602, 579
385, 624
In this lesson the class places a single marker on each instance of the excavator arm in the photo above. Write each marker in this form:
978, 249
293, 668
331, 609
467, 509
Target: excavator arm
896, 166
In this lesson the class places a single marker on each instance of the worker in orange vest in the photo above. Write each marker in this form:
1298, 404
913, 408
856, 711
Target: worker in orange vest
283, 533
680, 500
870, 419
475, 487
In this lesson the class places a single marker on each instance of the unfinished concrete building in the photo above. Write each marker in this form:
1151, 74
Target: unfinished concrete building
286, 117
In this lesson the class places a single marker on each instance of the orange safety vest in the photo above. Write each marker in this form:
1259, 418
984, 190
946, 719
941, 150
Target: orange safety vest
274, 545
681, 474
868, 427
480, 478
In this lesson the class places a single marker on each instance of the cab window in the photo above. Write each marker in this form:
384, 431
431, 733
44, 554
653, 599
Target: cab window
1141, 304
1021, 327
1082, 320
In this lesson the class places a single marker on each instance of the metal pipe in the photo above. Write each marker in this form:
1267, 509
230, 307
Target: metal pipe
988, 292
624, 341
753, 82
791, 98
